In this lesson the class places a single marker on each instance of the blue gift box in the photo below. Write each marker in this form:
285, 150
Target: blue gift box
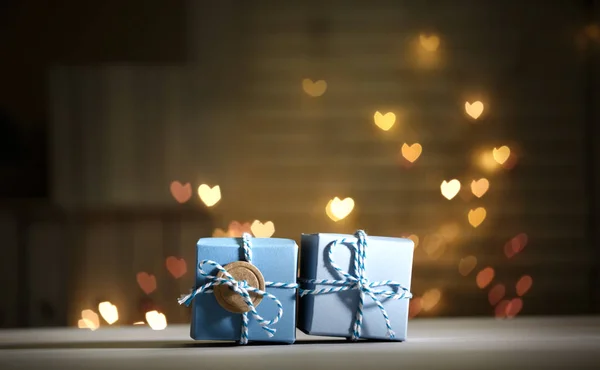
277, 260
386, 265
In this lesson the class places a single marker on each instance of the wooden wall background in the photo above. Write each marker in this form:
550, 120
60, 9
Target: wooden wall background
235, 115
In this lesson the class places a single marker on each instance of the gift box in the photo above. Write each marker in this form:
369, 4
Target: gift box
253, 265
355, 286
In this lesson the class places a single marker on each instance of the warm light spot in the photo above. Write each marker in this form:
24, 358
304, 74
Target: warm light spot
411, 153
219, 233
501, 154
496, 294
338, 209
434, 245
146, 281
480, 187
429, 43
109, 312
414, 307
176, 266
466, 265
485, 160
384, 121
89, 320
484, 277
450, 231
314, 89
500, 311
476, 216
139, 323
156, 320
210, 196
514, 307
261, 230
235, 230
86, 324
523, 285
450, 189
414, 238
515, 245
474, 110
181, 193
430, 299
593, 32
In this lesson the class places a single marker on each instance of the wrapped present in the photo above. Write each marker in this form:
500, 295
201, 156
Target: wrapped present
245, 290
355, 287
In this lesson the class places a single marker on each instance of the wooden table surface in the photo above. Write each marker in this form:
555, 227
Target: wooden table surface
459, 343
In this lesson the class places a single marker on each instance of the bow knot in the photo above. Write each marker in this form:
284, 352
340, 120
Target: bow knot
241, 288
359, 282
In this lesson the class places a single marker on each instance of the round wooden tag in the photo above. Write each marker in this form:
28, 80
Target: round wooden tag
230, 300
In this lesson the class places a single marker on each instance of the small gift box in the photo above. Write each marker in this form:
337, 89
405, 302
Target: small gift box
245, 290
355, 287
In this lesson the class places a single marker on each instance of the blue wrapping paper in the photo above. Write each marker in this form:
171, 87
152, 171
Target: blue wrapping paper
277, 259
334, 314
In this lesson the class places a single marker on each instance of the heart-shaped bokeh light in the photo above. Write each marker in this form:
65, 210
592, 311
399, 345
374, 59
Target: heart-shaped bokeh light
109, 312
474, 110
314, 89
210, 196
450, 188
261, 230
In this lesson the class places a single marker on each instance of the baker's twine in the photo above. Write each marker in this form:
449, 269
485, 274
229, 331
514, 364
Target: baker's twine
241, 288
358, 282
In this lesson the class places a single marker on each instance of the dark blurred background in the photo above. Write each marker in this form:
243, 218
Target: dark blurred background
103, 104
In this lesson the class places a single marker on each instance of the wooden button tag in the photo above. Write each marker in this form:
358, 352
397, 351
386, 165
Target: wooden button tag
230, 300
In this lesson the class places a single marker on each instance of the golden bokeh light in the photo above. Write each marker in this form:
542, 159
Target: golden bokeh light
477, 216
430, 299
314, 89
466, 265
429, 42
235, 230
434, 245
384, 121
411, 152
338, 209
501, 154
450, 231
139, 323
261, 230
414, 238
109, 312
484, 159
485, 277
181, 192
450, 188
496, 294
523, 285
89, 320
176, 266
210, 196
156, 320
480, 187
474, 110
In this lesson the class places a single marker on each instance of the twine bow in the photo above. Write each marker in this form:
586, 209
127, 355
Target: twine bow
241, 288
359, 282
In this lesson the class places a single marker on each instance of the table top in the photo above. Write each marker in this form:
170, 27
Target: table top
450, 343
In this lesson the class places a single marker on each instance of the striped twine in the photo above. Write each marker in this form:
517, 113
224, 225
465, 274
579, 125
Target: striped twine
241, 288
358, 282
